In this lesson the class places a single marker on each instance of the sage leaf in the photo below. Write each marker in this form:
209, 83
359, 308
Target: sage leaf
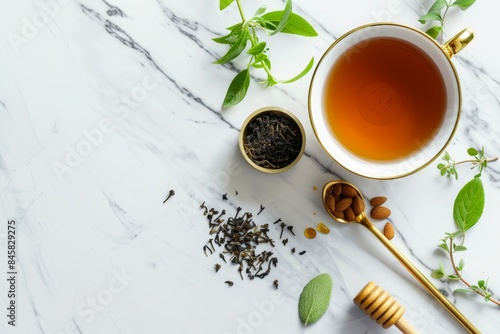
315, 298
469, 204
237, 89
296, 24
224, 3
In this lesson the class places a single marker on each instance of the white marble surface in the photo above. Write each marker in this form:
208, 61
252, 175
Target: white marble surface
130, 85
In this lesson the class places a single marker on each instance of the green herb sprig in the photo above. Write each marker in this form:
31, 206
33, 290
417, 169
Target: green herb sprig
437, 13
479, 163
245, 32
467, 210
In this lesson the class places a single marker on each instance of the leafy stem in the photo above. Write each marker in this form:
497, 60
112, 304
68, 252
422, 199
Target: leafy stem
245, 32
437, 13
482, 286
480, 162
467, 210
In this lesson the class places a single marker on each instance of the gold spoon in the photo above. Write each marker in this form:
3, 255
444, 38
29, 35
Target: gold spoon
362, 219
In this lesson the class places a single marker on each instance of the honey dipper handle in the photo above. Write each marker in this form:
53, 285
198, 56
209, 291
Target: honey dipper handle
405, 327
449, 306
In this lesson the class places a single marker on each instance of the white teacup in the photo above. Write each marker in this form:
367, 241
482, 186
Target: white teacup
374, 99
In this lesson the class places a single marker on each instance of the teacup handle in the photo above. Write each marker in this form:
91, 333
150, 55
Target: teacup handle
458, 42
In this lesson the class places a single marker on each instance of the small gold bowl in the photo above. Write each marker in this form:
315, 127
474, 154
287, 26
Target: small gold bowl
272, 139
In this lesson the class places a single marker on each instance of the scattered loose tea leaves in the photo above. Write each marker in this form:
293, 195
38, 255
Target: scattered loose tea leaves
170, 194
272, 141
217, 267
229, 283
239, 237
275, 283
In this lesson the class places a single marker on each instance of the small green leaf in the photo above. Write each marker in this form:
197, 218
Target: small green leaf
315, 299
480, 283
469, 204
461, 265
237, 89
472, 152
261, 57
462, 291
261, 10
459, 248
296, 25
437, 6
444, 247
437, 274
227, 39
224, 3
463, 4
235, 26
287, 12
453, 277
236, 49
431, 17
434, 31
301, 74
257, 49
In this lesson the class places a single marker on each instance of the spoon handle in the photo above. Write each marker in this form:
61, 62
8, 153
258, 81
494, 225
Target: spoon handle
450, 307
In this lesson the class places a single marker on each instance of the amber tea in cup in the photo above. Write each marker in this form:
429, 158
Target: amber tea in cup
385, 99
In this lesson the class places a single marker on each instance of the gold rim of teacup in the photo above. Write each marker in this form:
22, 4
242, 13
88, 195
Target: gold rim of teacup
449, 49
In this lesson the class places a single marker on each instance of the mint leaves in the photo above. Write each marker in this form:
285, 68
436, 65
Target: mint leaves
438, 11
315, 299
243, 35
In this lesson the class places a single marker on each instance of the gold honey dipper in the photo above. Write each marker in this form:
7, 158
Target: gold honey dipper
361, 218
383, 308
